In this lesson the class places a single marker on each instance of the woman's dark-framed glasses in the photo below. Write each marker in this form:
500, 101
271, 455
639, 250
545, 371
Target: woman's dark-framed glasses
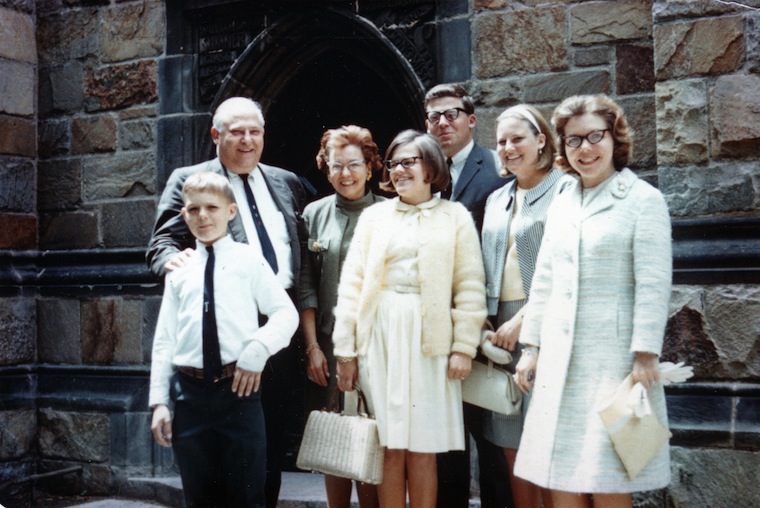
592, 137
406, 163
450, 114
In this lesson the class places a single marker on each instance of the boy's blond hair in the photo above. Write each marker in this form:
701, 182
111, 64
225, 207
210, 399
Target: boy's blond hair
208, 181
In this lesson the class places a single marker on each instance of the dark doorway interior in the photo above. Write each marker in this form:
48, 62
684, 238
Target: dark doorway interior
331, 90
321, 69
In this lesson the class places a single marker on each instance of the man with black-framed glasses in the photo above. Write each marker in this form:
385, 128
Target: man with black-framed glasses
450, 118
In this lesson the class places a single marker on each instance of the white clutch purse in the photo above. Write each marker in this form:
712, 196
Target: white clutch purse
492, 388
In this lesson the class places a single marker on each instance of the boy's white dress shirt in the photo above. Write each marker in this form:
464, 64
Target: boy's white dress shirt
244, 285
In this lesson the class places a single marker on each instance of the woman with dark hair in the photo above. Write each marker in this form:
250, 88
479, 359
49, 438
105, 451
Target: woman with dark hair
597, 312
411, 305
512, 231
347, 156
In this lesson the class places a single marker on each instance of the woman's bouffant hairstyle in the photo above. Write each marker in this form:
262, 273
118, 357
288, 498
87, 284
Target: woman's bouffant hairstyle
208, 181
605, 107
434, 165
522, 112
347, 135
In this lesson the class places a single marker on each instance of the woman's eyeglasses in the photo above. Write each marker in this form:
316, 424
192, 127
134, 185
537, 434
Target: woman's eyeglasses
353, 166
406, 163
592, 137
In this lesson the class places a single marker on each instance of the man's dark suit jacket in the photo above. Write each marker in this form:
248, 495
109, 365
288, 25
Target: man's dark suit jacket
171, 234
479, 178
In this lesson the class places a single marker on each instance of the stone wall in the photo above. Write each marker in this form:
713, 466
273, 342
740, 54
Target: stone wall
116, 82
18, 222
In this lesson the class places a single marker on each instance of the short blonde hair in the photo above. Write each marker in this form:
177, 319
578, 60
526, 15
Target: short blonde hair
208, 181
546, 159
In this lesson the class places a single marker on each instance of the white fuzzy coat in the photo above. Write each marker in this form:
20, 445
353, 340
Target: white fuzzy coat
451, 277
600, 293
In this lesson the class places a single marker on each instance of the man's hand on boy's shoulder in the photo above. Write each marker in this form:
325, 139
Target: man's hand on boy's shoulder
161, 425
245, 381
178, 260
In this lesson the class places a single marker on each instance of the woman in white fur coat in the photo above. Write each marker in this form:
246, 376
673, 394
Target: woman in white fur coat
597, 311
411, 306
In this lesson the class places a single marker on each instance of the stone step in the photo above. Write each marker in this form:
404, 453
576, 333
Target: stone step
298, 490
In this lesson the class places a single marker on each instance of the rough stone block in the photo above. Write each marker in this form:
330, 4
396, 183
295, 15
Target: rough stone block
69, 230
18, 330
664, 10
17, 34
58, 331
139, 111
557, 86
733, 316
132, 31
54, 137
19, 231
22, 140
15, 96
682, 122
151, 307
61, 89
17, 190
121, 86
691, 48
594, 22
137, 134
117, 176
454, 56
712, 477
687, 339
526, 41
59, 184
26, 6
128, 223
752, 38
635, 68
17, 432
640, 113
111, 331
735, 108
501, 93
593, 56
67, 35
694, 191
95, 134
73, 436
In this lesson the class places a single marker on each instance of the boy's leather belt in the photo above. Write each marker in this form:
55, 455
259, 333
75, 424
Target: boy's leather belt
227, 372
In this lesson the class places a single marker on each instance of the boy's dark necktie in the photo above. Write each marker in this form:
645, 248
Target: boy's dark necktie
266, 244
212, 359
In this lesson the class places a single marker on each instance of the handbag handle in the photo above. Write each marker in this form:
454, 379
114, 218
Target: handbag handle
362, 409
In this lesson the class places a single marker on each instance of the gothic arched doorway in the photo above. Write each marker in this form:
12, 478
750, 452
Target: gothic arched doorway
320, 69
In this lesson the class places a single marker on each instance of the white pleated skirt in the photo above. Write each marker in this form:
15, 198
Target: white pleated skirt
416, 406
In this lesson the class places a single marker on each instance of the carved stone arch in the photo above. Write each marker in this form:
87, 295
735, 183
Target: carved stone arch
319, 69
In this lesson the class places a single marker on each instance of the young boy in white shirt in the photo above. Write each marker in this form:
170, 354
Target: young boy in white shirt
217, 430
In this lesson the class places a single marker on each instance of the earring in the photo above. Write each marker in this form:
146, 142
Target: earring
540, 152
369, 175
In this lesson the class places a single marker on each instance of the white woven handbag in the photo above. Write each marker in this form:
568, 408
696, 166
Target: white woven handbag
492, 388
342, 445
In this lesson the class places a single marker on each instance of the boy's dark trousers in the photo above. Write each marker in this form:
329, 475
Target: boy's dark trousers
219, 443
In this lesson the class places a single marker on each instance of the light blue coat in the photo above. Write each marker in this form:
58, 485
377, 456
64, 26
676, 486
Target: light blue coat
600, 293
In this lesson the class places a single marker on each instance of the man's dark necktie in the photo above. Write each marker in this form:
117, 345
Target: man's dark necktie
261, 231
446, 193
212, 358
